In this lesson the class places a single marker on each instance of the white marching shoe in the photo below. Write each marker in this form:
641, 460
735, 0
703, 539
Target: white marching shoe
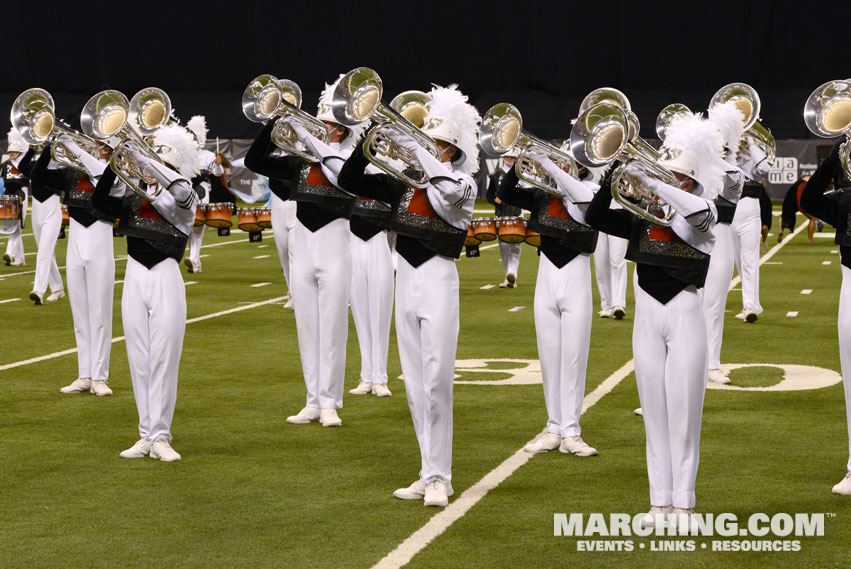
161, 449
844, 486
363, 388
606, 313
54, 296
305, 416
544, 442
658, 516
79, 385
381, 390
100, 388
37, 298
750, 315
618, 312
289, 303
141, 449
329, 418
575, 445
415, 491
686, 521
638, 411
717, 376
436, 493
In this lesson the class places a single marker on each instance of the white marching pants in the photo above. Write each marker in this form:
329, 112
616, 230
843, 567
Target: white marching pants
372, 303
321, 274
90, 270
563, 327
196, 237
509, 253
153, 309
610, 270
427, 312
669, 347
283, 229
15, 244
715, 291
746, 233
46, 221
845, 346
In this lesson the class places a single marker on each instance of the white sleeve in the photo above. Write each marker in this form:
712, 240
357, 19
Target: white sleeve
453, 200
177, 205
698, 212
94, 167
734, 180
434, 168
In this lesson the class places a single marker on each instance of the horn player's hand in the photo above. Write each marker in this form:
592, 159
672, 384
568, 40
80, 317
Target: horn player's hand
406, 142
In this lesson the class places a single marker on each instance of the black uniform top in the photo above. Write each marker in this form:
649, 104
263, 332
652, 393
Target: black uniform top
416, 250
13, 179
35, 171
61, 180
503, 209
559, 251
834, 210
661, 282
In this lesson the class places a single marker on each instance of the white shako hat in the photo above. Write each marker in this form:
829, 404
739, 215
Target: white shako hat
16, 141
176, 146
452, 119
323, 113
730, 122
694, 147
197, 125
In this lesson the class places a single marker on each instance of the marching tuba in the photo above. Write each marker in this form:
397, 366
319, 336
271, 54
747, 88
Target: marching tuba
357, 98
747, 101
108, 114
827, 113
601, 135
267, 96
33, 114
502, 130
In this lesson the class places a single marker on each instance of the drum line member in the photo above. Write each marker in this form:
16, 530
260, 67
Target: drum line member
836, 210
321, 267
259, 159
431, 226
153, 302
746, 228
509, 253
46, 222
669, 336
371, 296
209, 165
729, 121
89, 267
563, 302
15, 184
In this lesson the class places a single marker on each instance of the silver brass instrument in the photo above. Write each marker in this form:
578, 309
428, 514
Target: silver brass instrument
502, 130
827, 113
357, 98
747, 101
266, 97
109, 113
33, 114
667, 116
601, 135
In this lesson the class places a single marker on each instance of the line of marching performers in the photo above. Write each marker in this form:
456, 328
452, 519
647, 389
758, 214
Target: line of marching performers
370, 206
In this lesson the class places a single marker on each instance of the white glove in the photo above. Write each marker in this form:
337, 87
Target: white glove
407, 142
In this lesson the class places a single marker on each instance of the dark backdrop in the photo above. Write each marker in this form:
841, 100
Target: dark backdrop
542, 56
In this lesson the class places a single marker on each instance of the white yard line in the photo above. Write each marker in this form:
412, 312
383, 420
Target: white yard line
470, 497
792, 314
121, 338
516, 309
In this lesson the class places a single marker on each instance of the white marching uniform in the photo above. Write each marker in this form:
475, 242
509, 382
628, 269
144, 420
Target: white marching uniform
46, 223
371, 300
12, 228
196, 236
283, 230
844, 325
610, 271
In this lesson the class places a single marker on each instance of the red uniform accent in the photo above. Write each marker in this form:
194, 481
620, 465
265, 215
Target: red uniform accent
798, 191
663, 234
84, 184
14, 171
148, 211
316, 178
420, 205
556, 209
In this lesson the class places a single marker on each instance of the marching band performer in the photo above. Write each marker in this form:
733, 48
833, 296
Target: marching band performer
46, 221
509, 253
836, 210
209, 165
89, 266
371, 295
729, 121
431, 226
746, 228
321, 268
562, 300
669, 336
15, 184
609, 265
153, 302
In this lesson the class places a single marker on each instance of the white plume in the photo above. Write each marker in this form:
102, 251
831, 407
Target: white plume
181, 141
730, 122
450, 103
198, 126
698, 146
